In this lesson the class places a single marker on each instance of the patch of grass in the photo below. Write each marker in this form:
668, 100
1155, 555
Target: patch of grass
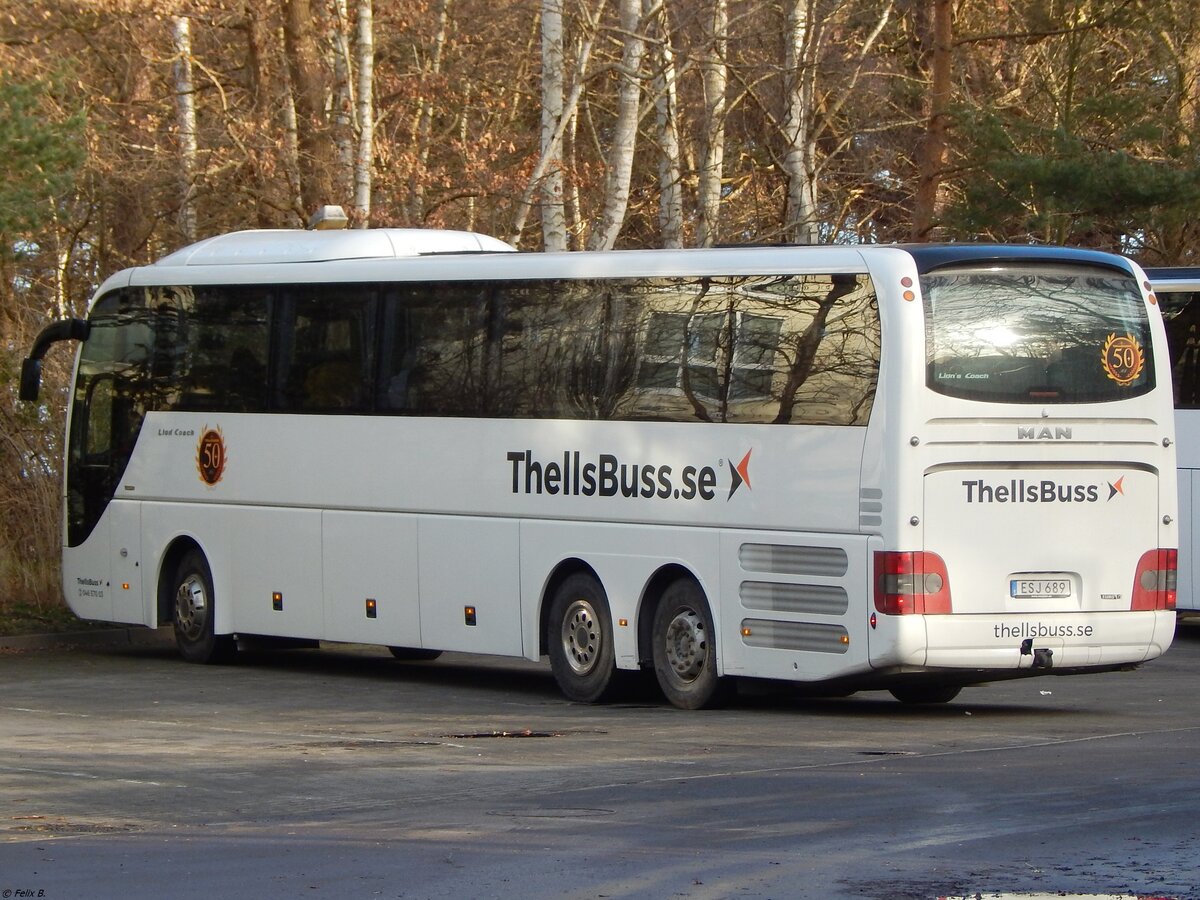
28, 618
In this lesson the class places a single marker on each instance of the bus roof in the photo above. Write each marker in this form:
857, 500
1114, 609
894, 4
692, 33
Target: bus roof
293, 246
1175, 278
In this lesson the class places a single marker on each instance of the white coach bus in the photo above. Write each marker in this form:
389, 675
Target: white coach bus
899, 468
1178, 293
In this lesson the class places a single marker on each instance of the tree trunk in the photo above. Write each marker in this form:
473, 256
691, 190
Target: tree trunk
620, 160
554, 223
670, 174
303, 22
185, 104
713, 64
565, 122
365, 152
343, 101
931, 153
799, 156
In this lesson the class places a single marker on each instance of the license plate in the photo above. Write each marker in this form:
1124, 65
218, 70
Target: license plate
1039, 588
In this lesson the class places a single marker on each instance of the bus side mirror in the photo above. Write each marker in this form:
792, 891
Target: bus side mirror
31, 379
31, 368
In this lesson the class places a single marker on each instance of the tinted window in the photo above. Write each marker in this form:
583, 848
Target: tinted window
1181, 313
1037, 335
212, 347
735, 349
325, 349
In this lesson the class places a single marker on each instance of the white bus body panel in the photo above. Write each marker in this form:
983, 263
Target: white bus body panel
1187, 431
456, 508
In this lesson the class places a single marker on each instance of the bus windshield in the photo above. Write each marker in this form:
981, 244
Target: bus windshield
1048, 335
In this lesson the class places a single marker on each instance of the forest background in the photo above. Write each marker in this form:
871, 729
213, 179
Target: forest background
129, 128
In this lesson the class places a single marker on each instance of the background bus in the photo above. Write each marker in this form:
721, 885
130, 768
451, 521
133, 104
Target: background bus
911, 469
1178, 291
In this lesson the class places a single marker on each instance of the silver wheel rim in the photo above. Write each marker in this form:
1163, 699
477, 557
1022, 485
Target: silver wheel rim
581, 637
191, 607
686, 645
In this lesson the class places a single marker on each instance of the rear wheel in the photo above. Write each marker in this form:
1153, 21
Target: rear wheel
414, 654
685, 648
193, 614
579, 639
925, 693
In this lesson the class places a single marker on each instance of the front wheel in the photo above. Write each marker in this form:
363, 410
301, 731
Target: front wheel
193, 613
685, 648
579, 638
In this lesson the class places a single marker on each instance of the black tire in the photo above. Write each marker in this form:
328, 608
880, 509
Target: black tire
414, 654
579, 638
925, 693
685, 648
192, 613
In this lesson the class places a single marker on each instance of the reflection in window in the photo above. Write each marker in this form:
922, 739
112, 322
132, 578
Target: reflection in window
732, 349
1037, 336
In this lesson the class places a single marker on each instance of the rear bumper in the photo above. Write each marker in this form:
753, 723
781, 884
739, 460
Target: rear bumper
1042, 640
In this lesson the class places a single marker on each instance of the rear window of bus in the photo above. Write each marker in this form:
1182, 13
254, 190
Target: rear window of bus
1036, 334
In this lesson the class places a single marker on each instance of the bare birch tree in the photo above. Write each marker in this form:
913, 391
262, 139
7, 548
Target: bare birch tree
422, 132
554, 223
801, 225
365, 149
566, 120
666, 106
185, 103
715, 36
619, 164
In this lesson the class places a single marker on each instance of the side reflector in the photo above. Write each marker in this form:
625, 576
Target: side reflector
911, 582
1155, 582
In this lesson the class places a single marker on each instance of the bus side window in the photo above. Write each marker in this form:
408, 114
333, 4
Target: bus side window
330, 360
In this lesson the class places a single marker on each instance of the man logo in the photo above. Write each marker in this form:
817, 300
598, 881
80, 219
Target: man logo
1033, 433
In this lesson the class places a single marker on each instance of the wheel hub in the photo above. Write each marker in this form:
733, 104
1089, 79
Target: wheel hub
581, 637
686, 645
191, 606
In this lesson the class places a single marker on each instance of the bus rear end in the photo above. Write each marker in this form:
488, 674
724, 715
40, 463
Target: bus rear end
1035, 522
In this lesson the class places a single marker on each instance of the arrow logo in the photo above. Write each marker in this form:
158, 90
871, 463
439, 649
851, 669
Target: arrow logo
740, 474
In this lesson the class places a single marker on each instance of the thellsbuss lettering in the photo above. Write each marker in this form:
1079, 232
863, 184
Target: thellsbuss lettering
1018, 490
605, 475
1023, 630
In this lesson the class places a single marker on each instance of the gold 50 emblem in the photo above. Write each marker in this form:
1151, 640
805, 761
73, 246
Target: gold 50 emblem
210, 455
1122, 358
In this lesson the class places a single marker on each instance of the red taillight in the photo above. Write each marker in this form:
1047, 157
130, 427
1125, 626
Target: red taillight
1154, 583
908, 582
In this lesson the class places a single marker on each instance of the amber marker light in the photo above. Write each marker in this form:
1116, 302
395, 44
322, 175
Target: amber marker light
747, 631
125, 585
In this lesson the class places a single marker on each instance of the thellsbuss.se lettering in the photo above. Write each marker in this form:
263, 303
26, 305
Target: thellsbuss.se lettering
1018, 490
606, 476
1023, 630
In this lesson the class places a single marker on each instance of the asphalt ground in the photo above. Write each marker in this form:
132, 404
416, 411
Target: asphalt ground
125, 772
